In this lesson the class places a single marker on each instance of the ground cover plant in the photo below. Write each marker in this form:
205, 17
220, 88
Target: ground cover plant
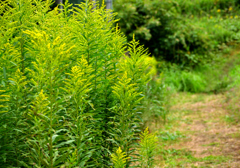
69, 95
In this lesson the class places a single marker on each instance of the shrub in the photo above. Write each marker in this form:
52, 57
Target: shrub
70, 94
150, 21
176, 30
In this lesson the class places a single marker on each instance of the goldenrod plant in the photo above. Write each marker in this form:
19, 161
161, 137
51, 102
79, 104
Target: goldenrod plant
129, 89
146, 152
119, 159
147, 147
69, 93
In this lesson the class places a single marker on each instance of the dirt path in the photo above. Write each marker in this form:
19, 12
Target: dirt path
198, 134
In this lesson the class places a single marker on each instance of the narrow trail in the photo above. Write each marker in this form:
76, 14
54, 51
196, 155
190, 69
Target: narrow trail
207, 138
198, 132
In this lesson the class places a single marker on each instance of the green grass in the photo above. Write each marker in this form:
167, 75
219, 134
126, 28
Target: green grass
185, 81
170, 136
180, 158
230, 119
212, 144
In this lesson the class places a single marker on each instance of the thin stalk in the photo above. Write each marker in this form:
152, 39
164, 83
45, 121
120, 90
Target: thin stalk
88, 55
96, 73
22, 54
51, 118
16, 145
105, 116
23, 66
105, 76
16, 133
77, 136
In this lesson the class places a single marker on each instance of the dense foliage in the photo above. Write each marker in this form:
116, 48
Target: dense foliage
69, 95
183, 32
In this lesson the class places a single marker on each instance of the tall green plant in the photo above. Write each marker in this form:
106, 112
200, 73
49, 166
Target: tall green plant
70, 93
147, 146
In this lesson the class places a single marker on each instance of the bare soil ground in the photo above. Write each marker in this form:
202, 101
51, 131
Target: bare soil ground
207, 132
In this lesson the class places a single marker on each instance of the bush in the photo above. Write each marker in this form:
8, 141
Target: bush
70, 95
176, 30
150, 21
